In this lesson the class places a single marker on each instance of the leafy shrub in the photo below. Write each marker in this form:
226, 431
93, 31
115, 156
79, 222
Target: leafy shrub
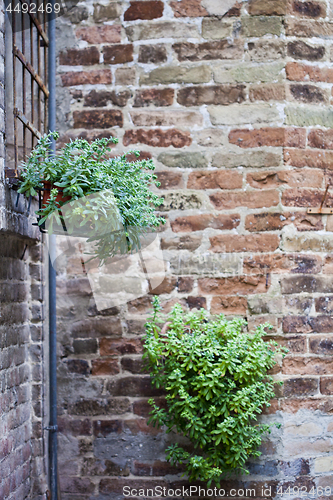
80, 169
215, 377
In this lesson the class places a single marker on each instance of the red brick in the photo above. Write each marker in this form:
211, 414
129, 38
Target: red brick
249, 199
267, 7
244, 243
211, 94
140, 425
92, 119
269, 136
101, 367
100, 98
311, 9
303, 198
294, 405
169, 180
188, 8
109, 347
181, 243
220, 49
268, 92
281, 263
292, 178
142, 408
228, 305
157, 97
185, 284
158, 138
223, 179
202, 221
80, 57
308, 158
321, 139
269, 221
237, 285
151, 9
326, 385
94, 77
100, 34
118, 54
306, 366
301, 72
167, 286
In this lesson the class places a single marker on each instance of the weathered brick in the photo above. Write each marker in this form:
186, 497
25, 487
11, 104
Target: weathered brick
95, 407
79, 366
301, 72
308, 9
237, 285
321, 139
152, 54
217, 29
302, 28
222, 49
249, 159
202, 221
293, 178
183, 160
181, 243
75, 427
177, 74
133, 365
311, 284
228, 305
269, 136
266, 50
157, 97
268, 8
223, 179
157, 138
167, 286
306, 366
308, 158
244, 243
280, 263
94, 77
80, 57
321, 345
249, 73
104, 367
267, 92
238, 115
196, 302
298, 197
215, 94
188, 8
185, 284
273, 221
324, 305
106, 12
87, 346
109, 347
169, 180
261, 25
100, 34
166, 118
133, 386
95, 327
301, 50
100, 98
326, 385
125, 76
118, 54
150, 9
308, 93
91, 119
249, 199
161, 29
300, 387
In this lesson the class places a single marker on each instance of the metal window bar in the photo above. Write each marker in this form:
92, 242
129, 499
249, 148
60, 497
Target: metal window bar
26, 83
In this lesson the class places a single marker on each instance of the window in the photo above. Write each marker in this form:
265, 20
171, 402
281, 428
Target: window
26, 92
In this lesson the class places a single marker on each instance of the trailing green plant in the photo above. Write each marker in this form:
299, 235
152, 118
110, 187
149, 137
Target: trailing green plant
116, 204
216, 379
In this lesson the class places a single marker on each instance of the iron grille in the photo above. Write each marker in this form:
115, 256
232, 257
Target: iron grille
26, 72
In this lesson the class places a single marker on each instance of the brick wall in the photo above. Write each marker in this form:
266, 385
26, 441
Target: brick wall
22, 374
232, 101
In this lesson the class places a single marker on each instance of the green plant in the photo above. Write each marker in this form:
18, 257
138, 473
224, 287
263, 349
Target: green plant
116, 205
216, 383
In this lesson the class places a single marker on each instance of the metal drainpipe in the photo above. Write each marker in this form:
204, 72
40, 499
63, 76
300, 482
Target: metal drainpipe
53, 466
